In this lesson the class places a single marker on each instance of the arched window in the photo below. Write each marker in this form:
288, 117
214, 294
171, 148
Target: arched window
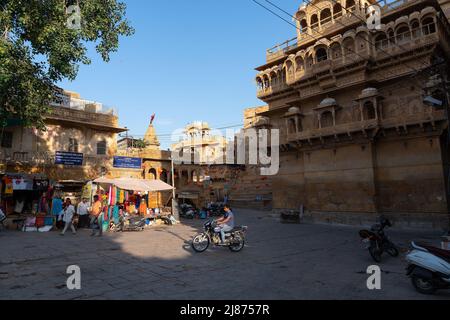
415, 29
381, 41
428, 26
194, 177
184, 177
336, 51
337, 10
349, 46
321, 54
101, 148
326, 119
403, 34
391, 36
314, 21
290, 70
350, 5
369, 111
164, 177
300, 64
362, 41
152, 174
266, 82
292, 128
259, 84
303, 26
73, 145
325, 16
309, 61
274, 80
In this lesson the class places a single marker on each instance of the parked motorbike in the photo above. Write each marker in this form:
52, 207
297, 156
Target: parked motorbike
215, 209
377, 242
128, 224
187, 211
234, 240
429, 268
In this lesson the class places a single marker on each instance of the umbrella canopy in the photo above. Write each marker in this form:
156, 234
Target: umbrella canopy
137, 184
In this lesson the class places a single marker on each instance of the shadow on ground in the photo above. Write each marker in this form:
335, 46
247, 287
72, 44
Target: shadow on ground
280, 261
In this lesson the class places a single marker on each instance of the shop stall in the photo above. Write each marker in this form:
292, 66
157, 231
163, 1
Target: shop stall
131, 196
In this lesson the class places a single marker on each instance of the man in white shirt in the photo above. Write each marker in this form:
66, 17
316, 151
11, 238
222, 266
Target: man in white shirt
83, 212
69, 212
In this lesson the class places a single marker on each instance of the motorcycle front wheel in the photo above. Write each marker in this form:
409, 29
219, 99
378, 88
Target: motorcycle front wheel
237, 243
200, 243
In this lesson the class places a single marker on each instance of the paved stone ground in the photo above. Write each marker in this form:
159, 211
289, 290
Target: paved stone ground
281, 261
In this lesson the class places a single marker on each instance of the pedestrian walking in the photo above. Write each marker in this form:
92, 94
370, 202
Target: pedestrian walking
95, 217
83, 213
69, 212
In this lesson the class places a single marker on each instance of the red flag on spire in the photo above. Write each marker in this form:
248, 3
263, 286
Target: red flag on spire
153, 118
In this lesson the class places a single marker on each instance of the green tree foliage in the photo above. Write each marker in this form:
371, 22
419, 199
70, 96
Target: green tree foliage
140, 144
39, 47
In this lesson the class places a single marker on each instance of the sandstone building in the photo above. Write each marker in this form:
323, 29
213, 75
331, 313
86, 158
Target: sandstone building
362, 113
76, 126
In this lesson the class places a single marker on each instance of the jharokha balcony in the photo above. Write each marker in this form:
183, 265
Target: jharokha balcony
328, 57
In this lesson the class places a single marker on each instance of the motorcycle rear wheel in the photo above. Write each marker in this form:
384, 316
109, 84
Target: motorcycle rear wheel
201, 243
237, 243
423, 286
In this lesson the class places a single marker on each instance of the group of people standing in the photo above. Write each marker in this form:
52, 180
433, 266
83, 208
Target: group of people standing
87, 216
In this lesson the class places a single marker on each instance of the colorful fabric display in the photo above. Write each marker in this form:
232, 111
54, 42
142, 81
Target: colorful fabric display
116, 214
57, 206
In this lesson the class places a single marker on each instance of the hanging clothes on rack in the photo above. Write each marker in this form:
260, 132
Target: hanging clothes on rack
143, 208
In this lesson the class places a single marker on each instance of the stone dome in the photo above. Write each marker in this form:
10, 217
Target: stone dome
294, 110
369, 92
328, 102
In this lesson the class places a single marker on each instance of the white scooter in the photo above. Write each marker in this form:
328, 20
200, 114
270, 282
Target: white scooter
429, 268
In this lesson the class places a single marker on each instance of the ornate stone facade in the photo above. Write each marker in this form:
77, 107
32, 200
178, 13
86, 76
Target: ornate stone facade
357, 137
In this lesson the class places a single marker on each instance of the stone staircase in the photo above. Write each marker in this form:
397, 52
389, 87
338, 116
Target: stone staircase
251, 190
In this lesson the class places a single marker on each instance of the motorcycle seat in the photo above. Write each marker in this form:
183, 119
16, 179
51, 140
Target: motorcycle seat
441, 253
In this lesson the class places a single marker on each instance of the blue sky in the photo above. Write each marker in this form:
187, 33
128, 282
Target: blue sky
188, 61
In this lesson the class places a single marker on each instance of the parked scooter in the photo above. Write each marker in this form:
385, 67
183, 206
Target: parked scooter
377, 242
429, 268
2, 218
234, 240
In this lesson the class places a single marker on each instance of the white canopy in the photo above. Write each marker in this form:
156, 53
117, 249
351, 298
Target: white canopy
137, 184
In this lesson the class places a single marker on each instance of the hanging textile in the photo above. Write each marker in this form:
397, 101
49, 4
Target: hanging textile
110, 195
138, 201
57, 206
143, 208
116, 214
121, 196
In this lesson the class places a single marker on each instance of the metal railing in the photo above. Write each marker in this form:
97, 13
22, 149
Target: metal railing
385, 5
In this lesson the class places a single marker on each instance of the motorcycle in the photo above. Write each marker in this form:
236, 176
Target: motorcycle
128, 224
215, 209
234, 240
187, 211
428, 268
377, 242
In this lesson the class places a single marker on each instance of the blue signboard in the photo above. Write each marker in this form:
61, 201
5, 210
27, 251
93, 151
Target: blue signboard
127, 163
69, 158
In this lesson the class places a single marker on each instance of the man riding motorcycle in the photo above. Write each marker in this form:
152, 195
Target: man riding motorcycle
225, 223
